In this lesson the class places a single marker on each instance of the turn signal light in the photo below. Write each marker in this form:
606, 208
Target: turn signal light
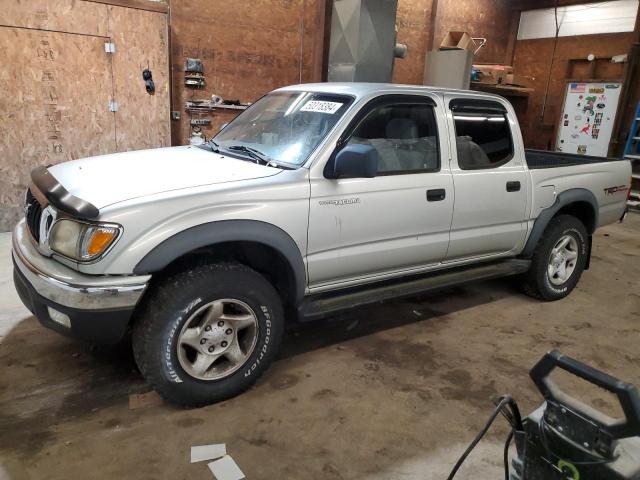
97, 240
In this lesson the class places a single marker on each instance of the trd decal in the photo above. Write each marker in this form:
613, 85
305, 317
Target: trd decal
613, 190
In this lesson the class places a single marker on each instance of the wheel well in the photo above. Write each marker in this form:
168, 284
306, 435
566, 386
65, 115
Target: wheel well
583, 211
262, 258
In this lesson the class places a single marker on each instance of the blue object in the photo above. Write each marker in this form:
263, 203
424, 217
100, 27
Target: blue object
632, 147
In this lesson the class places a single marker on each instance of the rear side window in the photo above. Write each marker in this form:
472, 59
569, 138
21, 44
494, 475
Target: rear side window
483, 136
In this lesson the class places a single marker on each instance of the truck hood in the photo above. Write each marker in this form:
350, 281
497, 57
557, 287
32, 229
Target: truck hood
117, 177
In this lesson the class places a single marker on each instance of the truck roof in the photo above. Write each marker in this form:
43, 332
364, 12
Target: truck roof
361, 89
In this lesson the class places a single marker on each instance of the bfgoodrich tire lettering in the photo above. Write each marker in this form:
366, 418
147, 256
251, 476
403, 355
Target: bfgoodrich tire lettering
172, 307
558, 260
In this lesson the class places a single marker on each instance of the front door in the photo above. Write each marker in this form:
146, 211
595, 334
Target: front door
371, 228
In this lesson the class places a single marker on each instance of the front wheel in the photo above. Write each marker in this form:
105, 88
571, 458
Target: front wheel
558, 260
208, 333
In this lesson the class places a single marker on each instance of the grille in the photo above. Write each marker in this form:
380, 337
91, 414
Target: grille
33, 215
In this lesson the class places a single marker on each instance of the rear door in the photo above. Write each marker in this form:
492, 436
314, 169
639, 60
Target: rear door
490, 178
396, 222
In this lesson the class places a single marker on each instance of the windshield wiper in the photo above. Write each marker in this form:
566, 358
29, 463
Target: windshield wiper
258, 156
253, 153
214, 146
210, 145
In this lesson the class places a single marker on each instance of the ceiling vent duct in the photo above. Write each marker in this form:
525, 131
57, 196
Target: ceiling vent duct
363, 41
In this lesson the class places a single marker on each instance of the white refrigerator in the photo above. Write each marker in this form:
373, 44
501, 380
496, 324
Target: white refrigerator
588, 116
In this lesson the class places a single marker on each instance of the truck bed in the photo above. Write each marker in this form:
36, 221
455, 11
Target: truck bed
544, 159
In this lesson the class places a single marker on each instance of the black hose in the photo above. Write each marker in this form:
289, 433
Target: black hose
505, 400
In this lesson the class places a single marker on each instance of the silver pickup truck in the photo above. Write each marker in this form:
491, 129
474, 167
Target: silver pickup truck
317, 198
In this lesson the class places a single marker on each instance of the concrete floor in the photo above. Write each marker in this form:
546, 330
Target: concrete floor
394, 391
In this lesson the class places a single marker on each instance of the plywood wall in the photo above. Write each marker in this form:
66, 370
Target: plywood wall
414, 25
533, 58
248, 48
491, 19
49, 107
57, 82
251, 47
142, 41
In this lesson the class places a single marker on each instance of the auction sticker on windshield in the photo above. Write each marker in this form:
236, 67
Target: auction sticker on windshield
321, 106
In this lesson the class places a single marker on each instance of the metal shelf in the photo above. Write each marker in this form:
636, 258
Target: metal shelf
206, 107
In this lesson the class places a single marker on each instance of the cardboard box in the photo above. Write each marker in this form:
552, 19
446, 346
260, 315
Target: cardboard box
448, 68
493, 74
457, 41
519, 80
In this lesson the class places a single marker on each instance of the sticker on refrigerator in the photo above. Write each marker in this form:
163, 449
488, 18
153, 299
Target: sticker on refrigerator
598, 119
588, 108
577, 87
582, 149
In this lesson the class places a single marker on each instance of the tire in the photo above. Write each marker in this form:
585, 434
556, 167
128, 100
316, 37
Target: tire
546, 280
217, 308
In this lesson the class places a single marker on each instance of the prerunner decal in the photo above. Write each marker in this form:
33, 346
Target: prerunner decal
343, 201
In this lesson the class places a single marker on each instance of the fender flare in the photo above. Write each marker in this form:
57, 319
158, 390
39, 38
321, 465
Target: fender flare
562, 200
211, 233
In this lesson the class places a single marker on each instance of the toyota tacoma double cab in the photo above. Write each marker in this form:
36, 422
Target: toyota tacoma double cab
315, 199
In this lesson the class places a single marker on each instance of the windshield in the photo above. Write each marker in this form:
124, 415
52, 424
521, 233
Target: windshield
285, 127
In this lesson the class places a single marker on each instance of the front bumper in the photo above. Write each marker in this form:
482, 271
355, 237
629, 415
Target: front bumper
97, 307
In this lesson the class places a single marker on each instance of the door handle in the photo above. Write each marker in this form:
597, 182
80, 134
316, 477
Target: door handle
436, 195
513, 186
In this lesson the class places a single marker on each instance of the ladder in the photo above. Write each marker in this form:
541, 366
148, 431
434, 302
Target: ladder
632, 153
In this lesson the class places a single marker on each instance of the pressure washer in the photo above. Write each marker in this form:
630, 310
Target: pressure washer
564, 438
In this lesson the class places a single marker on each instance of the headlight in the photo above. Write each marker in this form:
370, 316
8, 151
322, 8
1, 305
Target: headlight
82, 241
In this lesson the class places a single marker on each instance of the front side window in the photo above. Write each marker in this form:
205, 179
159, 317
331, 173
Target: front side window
483, 138
404, 135
284, 127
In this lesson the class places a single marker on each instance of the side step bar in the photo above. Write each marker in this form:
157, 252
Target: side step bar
316, 306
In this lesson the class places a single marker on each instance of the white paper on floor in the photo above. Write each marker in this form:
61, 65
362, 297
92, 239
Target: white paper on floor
226, 469
208, 452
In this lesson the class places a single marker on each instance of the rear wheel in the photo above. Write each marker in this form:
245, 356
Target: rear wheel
558, 260
207, 334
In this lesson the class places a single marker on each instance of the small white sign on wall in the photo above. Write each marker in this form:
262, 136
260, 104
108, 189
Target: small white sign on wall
587, 118
320, 106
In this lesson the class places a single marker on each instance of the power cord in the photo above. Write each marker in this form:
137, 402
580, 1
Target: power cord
509, 410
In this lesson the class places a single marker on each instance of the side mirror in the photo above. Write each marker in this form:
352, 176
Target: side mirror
355, 161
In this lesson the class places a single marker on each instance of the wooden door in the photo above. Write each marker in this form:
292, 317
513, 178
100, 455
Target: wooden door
55, 97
